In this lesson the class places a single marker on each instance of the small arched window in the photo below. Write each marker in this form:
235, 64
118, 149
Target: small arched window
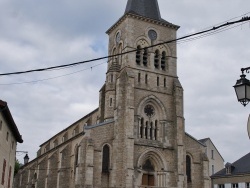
76, 155
158, 81
163, 61
138, 55
188, 168
156, 59
146, 79
145, 57
105, 159
156, 127
114, 53
120, 56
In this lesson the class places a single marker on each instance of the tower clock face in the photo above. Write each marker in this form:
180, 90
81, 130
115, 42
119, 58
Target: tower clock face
152, 34
149, 110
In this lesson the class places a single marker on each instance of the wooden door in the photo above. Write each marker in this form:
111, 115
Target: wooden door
148, 180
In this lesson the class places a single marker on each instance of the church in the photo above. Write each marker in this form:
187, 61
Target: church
136, 137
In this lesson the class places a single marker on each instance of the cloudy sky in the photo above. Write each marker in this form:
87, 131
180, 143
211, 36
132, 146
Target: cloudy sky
38, 34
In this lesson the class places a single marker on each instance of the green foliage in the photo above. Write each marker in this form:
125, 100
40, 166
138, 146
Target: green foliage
17, 166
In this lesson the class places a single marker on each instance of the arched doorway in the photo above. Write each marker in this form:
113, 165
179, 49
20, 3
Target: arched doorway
148, 178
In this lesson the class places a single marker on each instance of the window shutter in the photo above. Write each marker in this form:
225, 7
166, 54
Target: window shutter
9, 177
3, 173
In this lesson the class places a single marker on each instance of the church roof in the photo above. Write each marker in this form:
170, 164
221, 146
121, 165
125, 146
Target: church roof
146, 8
241, 166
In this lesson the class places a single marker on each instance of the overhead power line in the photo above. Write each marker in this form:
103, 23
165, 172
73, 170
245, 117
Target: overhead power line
213, 29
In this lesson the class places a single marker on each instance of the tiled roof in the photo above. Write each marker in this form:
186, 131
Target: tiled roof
4, 109
241, 166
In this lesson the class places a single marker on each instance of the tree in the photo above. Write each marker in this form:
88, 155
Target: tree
17, 166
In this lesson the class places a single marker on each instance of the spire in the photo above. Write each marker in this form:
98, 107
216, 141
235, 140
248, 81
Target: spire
146, 8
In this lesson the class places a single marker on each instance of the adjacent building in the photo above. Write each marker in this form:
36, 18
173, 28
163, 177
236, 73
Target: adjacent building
136, 137
9, 136
235, 175
216, 161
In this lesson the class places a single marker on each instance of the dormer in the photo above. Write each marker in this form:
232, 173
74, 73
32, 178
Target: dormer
229, 168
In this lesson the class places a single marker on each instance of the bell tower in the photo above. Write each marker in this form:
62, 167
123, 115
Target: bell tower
144, 97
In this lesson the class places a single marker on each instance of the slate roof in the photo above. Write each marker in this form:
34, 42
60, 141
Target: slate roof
145, 8
239, 167
4, 109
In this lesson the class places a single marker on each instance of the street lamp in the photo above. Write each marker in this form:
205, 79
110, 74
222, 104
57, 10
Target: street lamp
242, 88
26, 159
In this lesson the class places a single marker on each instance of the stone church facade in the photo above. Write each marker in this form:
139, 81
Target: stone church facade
136, 137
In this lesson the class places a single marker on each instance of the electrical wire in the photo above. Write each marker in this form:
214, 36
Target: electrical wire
45, 79
244, 19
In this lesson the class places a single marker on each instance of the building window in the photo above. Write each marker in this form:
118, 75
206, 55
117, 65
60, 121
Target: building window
7, 136
1, 124
145, 57
3, 172
138, 55
111, 78
110, 102
139, 77
146, 79
12, 144
228, 170
163, 61
188, 168
247, 185
212, 169
212, 154
221, 186
105, 159
235, 185
165, 84
158, 81
156, 59
10, 171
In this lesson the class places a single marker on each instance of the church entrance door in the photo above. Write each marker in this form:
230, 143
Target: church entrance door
148, 180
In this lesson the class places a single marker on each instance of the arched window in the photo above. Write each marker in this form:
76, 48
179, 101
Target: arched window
146, 79
188, 168
151, 131
138, 55
76, 156
145, 57
141, 128
146, 130
157, 59
120, 56
105, 159
111, 102
158, 81
156, 127
113, 53
163, 61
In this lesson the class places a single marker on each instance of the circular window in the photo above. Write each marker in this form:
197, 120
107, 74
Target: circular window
149, 110
152, 34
